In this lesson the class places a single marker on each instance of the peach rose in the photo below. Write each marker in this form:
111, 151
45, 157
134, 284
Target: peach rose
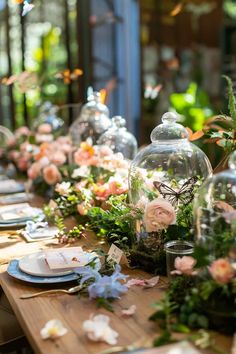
45, 128
34, 170
58, 158
82, 208
184, 265
221, 271
51, 174
158, 215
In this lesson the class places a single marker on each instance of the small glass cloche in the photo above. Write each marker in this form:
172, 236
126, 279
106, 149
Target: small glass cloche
163, 179
119, 139
92, 122
48, 121
215, 211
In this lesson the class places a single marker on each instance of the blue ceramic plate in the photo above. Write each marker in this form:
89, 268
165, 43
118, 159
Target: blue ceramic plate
14, 271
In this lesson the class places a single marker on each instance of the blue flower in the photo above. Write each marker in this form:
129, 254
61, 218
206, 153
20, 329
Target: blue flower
108, 286
103, 286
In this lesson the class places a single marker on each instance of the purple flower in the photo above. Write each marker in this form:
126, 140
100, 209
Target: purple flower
103, 286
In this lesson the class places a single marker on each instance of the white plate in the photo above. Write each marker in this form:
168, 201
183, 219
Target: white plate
35, 264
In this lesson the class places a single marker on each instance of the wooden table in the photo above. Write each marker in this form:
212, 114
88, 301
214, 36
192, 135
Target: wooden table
34, 313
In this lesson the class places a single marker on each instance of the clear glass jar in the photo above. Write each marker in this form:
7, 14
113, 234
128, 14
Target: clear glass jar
92, 122
48, 118
163, 179
215, 212
119, 139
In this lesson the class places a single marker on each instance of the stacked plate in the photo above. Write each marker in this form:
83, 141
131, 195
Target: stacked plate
34, 268
10, 186
18, 214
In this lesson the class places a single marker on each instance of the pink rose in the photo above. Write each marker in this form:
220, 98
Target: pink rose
58, 158
22, 131
221, 271
184, 265
102, 191
158, 215
22, 163
45, 128
51, 174
84, 158
82, 208
117, 187
34, 170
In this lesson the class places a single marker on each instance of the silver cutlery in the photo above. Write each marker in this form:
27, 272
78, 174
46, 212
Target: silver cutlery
70, 291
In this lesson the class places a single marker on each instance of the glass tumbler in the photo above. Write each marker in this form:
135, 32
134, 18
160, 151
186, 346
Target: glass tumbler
174, 249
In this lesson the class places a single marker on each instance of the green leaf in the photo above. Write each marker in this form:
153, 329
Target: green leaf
179, 327
164, 338
232, 101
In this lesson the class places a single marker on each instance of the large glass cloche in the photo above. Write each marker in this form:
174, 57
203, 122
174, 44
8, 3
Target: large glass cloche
215, 212
163, 179
119, 139
92, 122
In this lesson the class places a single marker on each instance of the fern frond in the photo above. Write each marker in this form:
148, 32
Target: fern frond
232, 100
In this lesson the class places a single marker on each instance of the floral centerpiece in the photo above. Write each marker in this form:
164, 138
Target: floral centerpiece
163, 180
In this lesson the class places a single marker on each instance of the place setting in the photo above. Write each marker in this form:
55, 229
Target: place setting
51, 266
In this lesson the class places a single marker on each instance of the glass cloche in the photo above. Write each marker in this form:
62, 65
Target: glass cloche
48, 122
215, 211
119, 139
92, 122
162, 181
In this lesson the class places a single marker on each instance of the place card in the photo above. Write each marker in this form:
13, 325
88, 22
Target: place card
115, 254
71, 257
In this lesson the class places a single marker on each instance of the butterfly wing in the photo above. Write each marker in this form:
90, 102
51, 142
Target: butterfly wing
185, 194
166, 192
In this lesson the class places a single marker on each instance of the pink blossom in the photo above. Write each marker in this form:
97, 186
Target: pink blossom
14, 154
146, 283
184, 265
130, 311
51, 174
117, 187
158, 215
22, 163
102, 191
82, 208
222, 271
84, 158
57, 158
22, 131
34, 170
80, 185
11, 142
45, 128
105, 151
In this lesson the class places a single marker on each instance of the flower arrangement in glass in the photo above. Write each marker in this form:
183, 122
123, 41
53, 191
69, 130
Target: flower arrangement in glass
162, 182
215, 211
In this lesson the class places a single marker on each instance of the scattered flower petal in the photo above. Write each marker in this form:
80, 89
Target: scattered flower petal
53, 329
146, 283
130, 311
97, 329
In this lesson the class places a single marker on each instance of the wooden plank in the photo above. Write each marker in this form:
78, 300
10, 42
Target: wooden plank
72, 311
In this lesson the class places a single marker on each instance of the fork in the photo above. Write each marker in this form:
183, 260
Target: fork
70, 291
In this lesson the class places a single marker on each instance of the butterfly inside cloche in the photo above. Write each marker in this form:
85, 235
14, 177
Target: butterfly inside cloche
164, 177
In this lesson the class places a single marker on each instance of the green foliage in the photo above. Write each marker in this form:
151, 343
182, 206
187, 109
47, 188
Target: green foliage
232, 101
193, 105
116, 223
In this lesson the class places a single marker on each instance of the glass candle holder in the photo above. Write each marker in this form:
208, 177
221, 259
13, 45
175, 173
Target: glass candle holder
174, 249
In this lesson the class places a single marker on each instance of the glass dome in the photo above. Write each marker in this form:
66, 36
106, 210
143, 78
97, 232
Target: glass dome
92, 122
48, 121
215, 211
163, 179
119, 139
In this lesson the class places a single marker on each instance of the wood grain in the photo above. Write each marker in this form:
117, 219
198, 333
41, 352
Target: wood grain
72, 311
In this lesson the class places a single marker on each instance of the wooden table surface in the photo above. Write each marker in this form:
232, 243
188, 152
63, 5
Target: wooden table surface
72, 311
